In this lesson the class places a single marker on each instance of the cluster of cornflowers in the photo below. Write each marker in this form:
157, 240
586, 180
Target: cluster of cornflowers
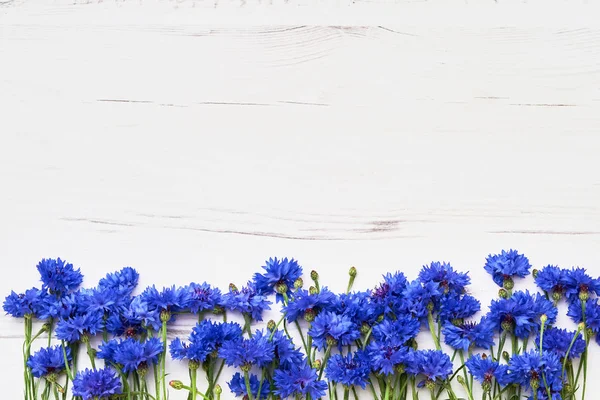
355, 344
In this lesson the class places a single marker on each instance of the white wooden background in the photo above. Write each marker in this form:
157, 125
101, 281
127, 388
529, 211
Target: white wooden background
193, 140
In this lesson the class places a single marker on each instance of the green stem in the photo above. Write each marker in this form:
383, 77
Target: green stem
346, 393
354, 393
306, 349
373, 389
248, 388
90, 353
194, 374
569, 350
430, 322
325, 359
415, 394
388, 386
467, 386
163, 361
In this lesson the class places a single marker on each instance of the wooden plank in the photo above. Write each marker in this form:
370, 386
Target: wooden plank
193, 149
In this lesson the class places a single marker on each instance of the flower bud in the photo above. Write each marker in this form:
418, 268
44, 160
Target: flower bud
580, 326
271, 325
502, 293
556, 296
281, 287
380, 318
506, 356
331, 341
352, 272
535, 384
314, 275
46, 327
457, 321
535, 273
246, 367
142, 370
584, 295
567, 387
486, 386
51, 377
365, 328
316, 364
508, 283
298, 283
413, 344
399, 368
233, 288
218, 310
177, 385
309, 315
429, 384
218, 389
507, 326
460, 379
165, 316
589, 332
85, 338
313, 290
543, 319
430, 306
193, 365
484, 356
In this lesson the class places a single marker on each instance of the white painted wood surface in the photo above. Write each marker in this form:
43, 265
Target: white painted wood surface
193, 141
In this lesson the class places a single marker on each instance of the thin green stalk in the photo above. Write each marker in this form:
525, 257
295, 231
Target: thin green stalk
388, 386
354, 393
415, 394
569, 350
436, 339
306, 349
585, 351
346, 393
467, 386
248, 388
163, 361
156, 368
194, 374
325, 359
90, 353
432, 392
543, 324
373, 390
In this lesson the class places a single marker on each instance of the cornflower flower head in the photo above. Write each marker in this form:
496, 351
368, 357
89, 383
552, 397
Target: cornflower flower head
396, 332
558, 341
285, 352
433, 365
75, 328
299, 380
484, 370
237, 385
449, 281
247, 301
418, 296
553, 280
123, 282
131, 354
257, 350
592, 313
527, 370
22, 304
358, 307
521, 313
506, 265
206, 339
279, 277
304, 304
469, 335
48, 360
349, 370
579, 285
386, 358
100, 384
59, 276
203, 297
454, 308
388, 294
329, 329
169, 299
139, 310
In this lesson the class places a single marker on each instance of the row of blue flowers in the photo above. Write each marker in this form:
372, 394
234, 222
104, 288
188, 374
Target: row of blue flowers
357, 343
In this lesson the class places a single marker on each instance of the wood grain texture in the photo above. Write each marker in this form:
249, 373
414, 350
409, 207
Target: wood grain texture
193, 142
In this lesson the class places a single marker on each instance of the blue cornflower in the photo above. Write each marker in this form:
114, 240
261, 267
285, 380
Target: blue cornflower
359, 307
580, 285
396, 332
506, 265
28, 303
526, 370
469, 335
131, 354
48, 360
303, 303
385, 358
389, 292
486, 369
287, 354
279, 277
72, 329
203, 297
558, 340
299, 380
553, 280
257, 350
449, 280
59, 276
123, 324
349, 370
592, 313
168, 299
247, 301
103, 300
206, 338
123, 282
63, 307
329, 328
98, 384
139, 310
432, 364
458, 307
237, 385
417, 296
521, 313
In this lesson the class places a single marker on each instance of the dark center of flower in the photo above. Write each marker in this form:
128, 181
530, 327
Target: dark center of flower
487, 377
584, 288
382, 291
130, 332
